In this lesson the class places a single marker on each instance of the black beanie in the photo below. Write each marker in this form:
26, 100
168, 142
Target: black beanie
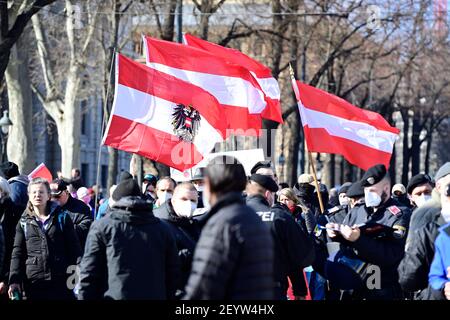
9, 169
126, 188
125, 175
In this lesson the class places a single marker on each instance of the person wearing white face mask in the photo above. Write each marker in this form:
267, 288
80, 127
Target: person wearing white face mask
177, 212
383, 248
338, 213
419, 189
420, 246
164, 190
198, 180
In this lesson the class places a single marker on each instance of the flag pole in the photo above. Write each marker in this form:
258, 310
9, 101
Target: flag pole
311, 160
105, 105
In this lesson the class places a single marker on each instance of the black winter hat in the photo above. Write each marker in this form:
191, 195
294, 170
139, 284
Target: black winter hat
9, 169
373, 175
125, 175
418, 180
265, 181
126, 188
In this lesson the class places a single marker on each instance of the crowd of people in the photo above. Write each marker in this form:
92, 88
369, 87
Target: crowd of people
225, 235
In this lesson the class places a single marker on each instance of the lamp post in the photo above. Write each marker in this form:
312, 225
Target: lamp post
5, 123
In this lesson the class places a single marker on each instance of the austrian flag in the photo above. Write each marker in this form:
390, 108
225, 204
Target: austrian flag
333, 125
161, 117
233, 85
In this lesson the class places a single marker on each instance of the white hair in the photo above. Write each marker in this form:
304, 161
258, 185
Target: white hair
4, 186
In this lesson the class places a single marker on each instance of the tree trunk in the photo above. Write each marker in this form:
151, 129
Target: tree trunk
392, 166
405, 147
428, 153
169, 21
294, 119
163, 170
20, 142
113, 167
332, 170
348, 171
277, 43
415, 145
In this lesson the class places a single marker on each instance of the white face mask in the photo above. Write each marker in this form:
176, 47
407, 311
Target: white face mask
165, 197
200, 188
343, 201
420, 201
185, 208
445, 212
372, 199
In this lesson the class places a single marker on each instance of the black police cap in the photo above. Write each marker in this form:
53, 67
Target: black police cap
344, 188
265, 181
261, 164
199, 174
374, 175
356, 190
418, 180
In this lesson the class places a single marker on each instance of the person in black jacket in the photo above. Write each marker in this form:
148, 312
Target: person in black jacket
293, 248
130, 254
18, 184
45, 246
9, 217
2, 248
415, 266
179, 210
80, 213
234, 256
380, 249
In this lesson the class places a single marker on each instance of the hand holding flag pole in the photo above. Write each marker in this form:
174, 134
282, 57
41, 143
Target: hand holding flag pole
311, 160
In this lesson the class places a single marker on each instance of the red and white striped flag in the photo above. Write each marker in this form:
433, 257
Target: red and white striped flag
233, 85
262, 74
161, 117
41, 171
333, 125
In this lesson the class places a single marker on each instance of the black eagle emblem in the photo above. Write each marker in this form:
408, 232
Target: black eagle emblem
185, 122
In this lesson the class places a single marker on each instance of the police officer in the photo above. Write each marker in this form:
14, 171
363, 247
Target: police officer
355, 195
374, 254
339, 212
293, 248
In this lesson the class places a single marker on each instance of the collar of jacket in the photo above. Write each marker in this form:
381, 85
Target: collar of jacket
173, 217
226, 200
258, 198
52, 209
134, 210
22, 179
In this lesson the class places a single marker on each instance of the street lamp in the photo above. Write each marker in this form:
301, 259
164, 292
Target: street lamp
5, 123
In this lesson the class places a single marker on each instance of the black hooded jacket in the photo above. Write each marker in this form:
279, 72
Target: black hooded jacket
186, 233
415, 266
234, 256
9, 217
40, 255
130, 254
